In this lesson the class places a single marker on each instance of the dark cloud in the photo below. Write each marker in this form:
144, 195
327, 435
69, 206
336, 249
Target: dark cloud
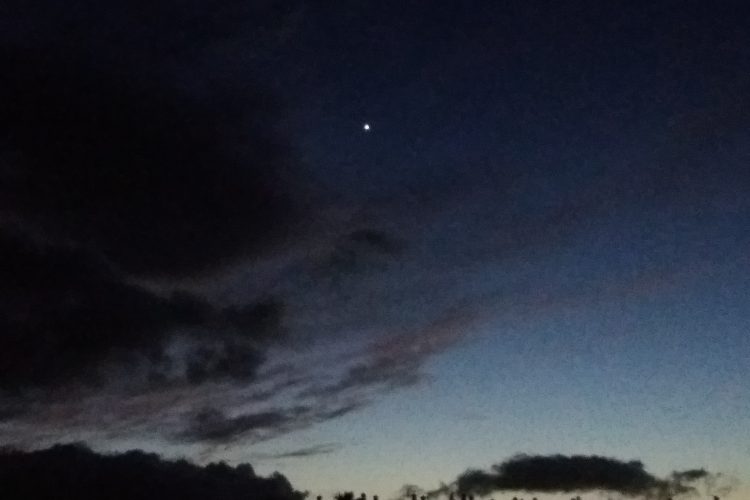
125, 165
67, 317
398, 361
361, 250
73, 471
155, 171
214, 426
560, 473
690, 475
336, 411
12, 409
379, 241
143, 33
371, 373
263, 318
157, 181
310, 451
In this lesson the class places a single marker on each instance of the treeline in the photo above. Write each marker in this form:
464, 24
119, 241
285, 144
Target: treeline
74, 472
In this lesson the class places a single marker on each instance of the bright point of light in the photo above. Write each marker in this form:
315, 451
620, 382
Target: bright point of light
366, 126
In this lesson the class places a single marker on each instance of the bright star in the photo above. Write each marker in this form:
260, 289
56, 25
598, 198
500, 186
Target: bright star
366, 126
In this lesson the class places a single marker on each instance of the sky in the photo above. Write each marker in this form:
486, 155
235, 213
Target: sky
538, 245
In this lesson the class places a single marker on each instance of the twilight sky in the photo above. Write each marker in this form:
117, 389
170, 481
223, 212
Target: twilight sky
541, 244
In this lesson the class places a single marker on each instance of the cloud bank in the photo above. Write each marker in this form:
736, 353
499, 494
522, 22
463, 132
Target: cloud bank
576, 473
73, 471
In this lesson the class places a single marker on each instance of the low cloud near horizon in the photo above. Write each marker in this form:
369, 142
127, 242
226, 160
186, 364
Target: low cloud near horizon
75, 472
583, 473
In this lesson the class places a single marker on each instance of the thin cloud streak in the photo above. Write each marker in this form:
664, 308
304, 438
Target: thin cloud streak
310, 451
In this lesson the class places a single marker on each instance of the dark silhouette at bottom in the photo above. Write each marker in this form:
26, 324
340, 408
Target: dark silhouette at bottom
73, 472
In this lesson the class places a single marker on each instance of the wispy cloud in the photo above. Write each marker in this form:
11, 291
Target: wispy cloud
213, 426
310, 451
398, 361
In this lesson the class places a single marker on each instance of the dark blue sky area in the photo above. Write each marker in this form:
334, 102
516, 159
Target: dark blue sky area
526, 87
578, 173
